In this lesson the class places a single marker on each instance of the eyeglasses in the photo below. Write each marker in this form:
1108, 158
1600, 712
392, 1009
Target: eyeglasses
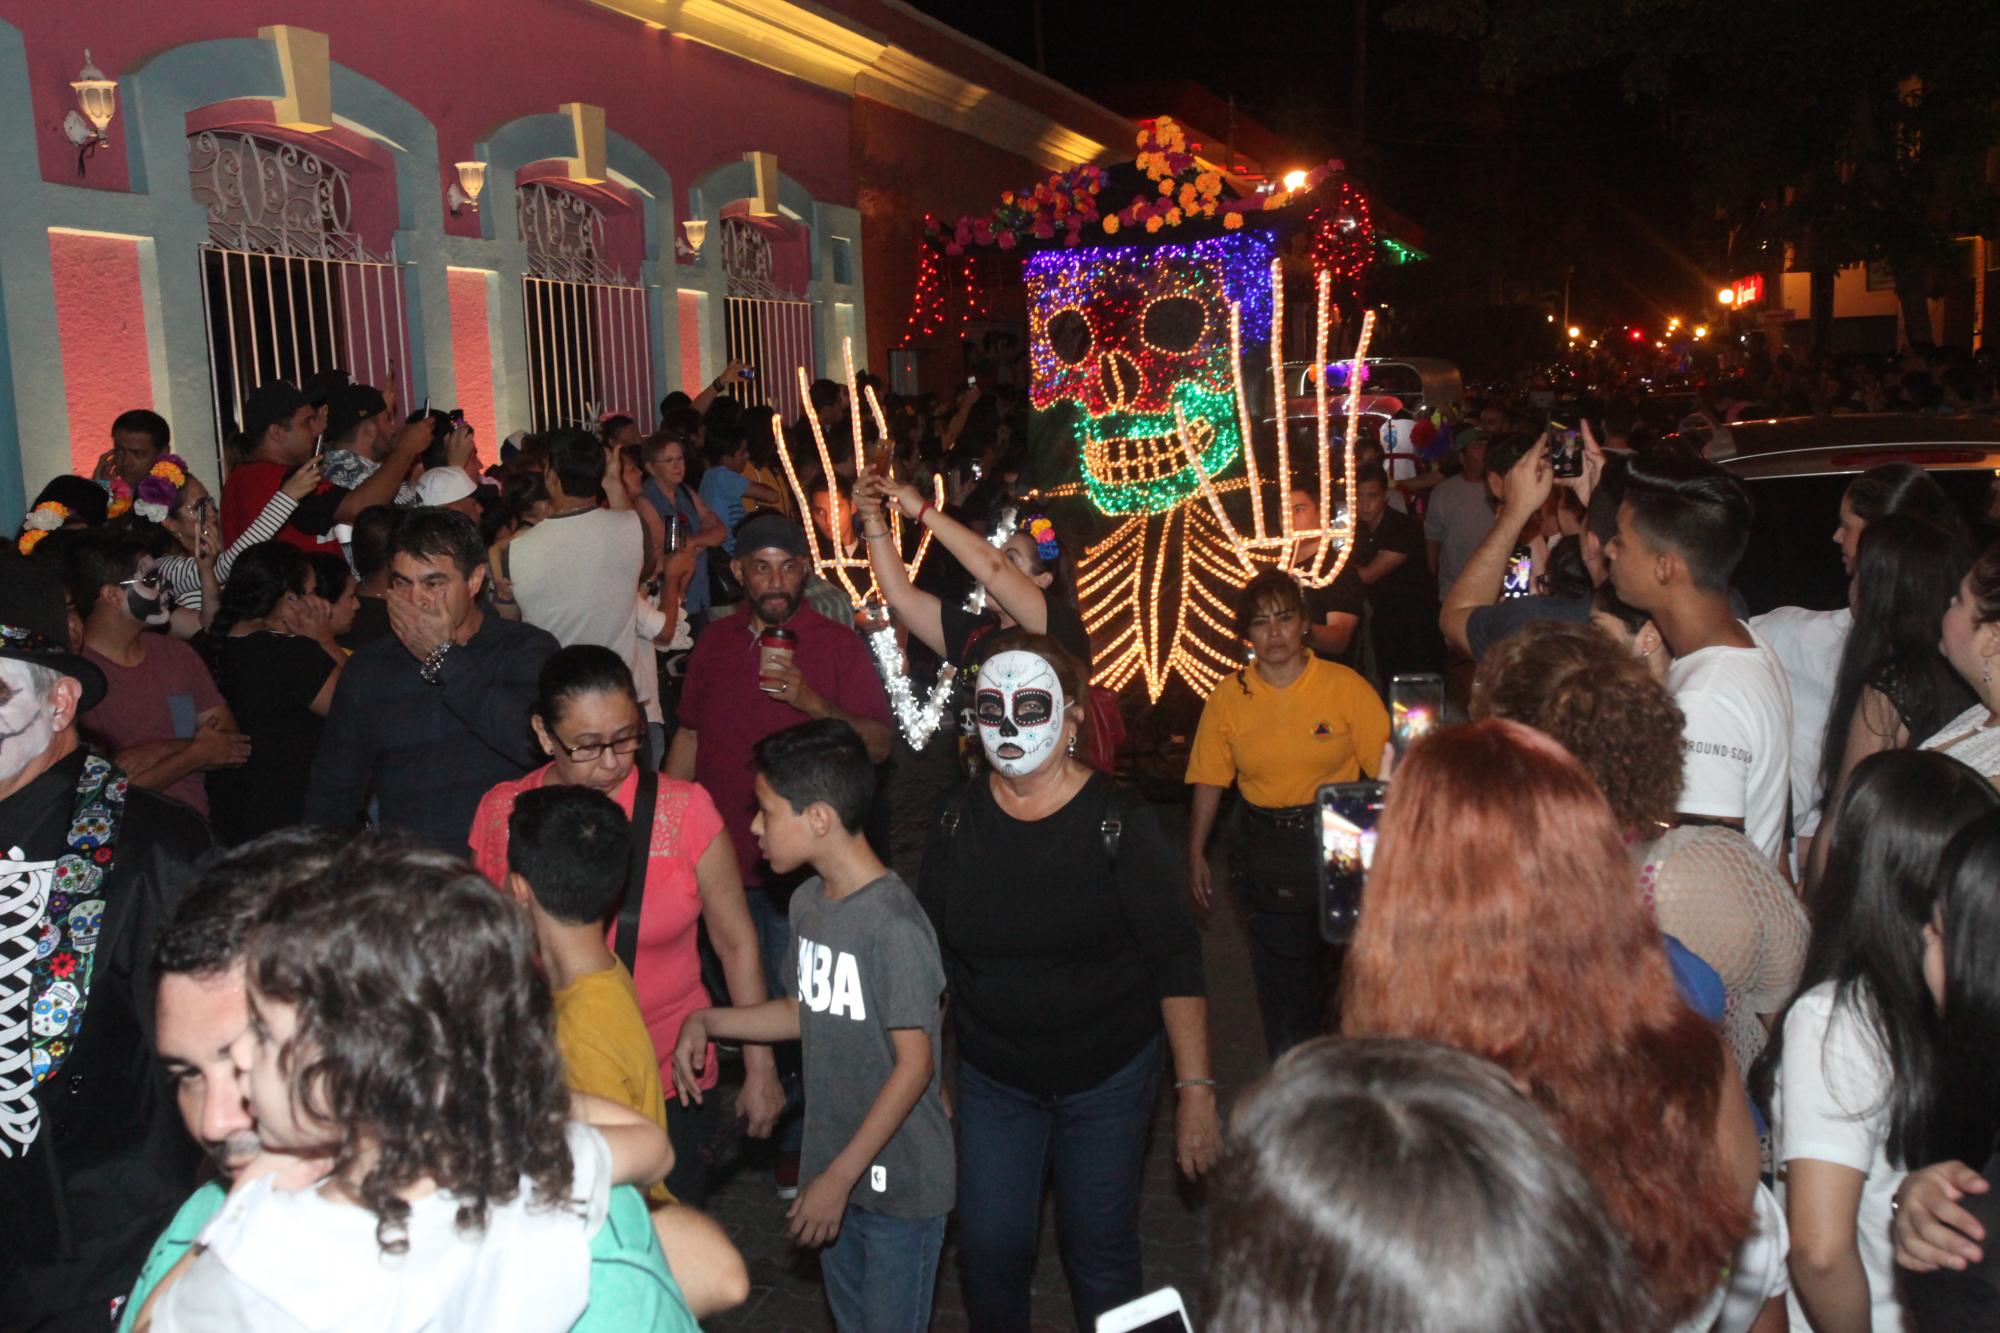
590, 754
150, 579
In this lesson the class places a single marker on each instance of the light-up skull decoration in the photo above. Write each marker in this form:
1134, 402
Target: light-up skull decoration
1020, 707
1129, 334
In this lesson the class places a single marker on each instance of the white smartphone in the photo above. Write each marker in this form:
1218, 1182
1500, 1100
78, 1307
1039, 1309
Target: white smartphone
1159, 1311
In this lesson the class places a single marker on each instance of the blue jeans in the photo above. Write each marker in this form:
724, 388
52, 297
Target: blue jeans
1094, 1144
880, 1272
774, 935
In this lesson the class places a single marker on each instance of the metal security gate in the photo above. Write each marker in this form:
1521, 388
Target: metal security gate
287, 288
590, 352
274, 317
589, 331
763, 325
777, 338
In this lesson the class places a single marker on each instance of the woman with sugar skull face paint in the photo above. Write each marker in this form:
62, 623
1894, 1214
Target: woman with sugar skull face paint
1279, 729
1074, 966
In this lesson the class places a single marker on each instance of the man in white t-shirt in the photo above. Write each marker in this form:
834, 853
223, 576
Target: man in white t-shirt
577, 573
1682, 528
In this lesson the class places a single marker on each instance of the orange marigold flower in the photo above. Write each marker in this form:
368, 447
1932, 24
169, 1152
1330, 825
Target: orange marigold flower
1232, 221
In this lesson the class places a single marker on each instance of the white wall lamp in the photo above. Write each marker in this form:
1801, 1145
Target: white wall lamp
696, 230
465, 191
98, 97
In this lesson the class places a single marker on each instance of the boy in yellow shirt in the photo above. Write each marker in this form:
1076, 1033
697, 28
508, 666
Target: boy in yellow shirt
567, 853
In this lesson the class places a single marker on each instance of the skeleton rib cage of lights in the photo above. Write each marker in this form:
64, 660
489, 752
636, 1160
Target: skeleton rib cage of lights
1149, 344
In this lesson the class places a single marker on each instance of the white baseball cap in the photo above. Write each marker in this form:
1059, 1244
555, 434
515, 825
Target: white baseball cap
444, 485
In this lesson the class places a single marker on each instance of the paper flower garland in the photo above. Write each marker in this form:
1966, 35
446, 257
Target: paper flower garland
160, 490
43, 519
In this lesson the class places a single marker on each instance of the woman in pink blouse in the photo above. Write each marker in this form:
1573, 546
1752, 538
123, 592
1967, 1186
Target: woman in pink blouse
588, 720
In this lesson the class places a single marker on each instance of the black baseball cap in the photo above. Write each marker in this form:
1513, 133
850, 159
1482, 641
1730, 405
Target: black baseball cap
270, 404
34, 624
351, 405
320, 386
766, 530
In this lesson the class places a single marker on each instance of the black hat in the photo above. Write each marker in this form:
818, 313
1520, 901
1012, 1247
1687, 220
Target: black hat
269, 404
34, 624
351, 405
766, 530
87, 502
319, 387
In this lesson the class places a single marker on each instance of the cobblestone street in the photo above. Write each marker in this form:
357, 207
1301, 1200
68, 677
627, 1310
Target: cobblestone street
785, 1292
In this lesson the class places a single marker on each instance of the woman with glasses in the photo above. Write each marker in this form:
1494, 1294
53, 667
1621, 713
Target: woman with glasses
1277, 729
589, 723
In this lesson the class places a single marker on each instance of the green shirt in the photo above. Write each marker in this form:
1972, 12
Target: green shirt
631, 1288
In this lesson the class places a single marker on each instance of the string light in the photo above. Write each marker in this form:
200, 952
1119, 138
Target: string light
1093, 342
835, 567
917, 721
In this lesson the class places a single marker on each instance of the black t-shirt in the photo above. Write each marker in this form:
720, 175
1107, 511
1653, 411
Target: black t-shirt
1488, 625
270, 681
1407, 590
1347, 595
371, 622
1057, 959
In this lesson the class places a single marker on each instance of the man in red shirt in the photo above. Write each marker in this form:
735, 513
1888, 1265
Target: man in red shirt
278, 431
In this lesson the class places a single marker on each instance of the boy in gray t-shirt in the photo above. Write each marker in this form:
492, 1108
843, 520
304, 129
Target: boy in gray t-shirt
877, 1162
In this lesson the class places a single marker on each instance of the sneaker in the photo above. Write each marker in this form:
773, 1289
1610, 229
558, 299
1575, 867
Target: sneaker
787, 1174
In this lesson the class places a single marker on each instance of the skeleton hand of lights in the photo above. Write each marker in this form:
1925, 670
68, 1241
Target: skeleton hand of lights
1282, 548
836, 566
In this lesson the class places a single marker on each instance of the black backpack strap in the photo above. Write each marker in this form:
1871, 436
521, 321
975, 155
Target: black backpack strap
645, 805
1117, 811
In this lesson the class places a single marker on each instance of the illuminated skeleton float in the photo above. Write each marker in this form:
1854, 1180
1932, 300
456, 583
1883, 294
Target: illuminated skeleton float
1143, 347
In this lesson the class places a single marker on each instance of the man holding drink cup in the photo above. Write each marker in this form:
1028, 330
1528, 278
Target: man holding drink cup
771, 663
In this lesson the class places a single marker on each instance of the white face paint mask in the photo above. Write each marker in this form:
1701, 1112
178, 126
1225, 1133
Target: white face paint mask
1020, 708
27, 721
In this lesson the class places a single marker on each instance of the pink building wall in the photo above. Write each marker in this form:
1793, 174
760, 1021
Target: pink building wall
472, 355
469, 70
101, 322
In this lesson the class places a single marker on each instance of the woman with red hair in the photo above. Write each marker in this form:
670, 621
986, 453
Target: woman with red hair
1503, 918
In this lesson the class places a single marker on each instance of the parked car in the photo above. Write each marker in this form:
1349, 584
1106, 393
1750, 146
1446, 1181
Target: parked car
1797, 467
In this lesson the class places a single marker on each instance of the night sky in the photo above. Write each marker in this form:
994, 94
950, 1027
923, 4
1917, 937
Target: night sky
1512, 187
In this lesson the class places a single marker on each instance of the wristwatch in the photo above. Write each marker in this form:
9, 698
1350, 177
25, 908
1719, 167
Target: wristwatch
432, 669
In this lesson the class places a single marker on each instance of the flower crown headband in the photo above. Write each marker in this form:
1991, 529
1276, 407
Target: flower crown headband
159, 490
1044, 534
43, 519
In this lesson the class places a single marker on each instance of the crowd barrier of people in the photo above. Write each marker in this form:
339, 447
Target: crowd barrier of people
424, 873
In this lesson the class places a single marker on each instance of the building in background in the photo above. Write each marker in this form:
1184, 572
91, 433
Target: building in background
660, 185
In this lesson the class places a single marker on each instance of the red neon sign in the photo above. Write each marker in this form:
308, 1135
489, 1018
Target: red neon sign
1749, 289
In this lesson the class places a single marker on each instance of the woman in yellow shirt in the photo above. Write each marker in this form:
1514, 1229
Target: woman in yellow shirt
1278, 729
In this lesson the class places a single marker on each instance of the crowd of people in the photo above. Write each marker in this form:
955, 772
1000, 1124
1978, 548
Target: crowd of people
457, 860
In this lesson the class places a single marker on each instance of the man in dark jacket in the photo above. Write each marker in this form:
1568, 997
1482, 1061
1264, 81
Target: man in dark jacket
427, 720
92, 1160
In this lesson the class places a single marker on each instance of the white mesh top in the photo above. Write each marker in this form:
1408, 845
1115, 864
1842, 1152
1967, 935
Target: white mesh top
1710, 888
1968, 739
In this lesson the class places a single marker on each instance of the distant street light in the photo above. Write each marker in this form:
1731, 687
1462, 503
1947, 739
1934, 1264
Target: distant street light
1727, 296
1575, 332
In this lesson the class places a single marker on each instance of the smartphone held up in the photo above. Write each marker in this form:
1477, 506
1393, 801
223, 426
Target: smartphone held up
1349, 813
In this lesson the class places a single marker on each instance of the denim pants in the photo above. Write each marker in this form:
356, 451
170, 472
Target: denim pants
1094, 1145
880, 1272
774, 934
1275, 874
